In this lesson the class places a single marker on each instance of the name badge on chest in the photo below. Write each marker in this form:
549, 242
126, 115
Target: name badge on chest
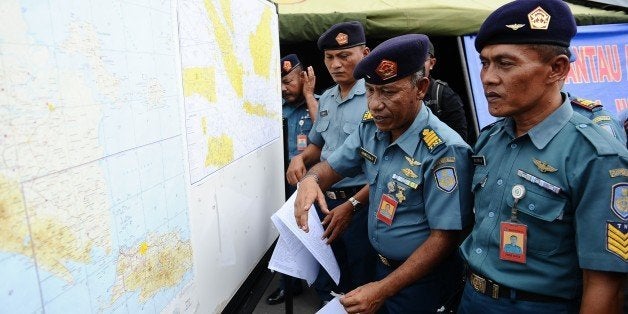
367, 155
386, 209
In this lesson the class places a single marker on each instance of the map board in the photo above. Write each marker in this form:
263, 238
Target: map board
140, 153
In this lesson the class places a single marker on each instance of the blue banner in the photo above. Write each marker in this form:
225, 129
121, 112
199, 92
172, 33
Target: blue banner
599, 73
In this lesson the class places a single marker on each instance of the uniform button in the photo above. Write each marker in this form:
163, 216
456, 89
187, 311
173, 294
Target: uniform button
582, 126
500, 182
385, 157
513, 145
478, 250
491, 214
531, 207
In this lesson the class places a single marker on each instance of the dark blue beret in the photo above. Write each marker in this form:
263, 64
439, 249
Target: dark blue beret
342, 35
528, 22
393, 59
288, 63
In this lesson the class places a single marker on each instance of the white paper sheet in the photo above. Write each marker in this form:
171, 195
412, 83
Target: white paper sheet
291, 257
312, 241
333, 307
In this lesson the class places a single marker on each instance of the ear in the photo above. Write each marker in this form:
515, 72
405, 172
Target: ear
366, 51
422, 86
560, 67
432, 62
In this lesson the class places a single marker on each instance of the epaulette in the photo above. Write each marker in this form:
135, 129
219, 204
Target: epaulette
584, 103
431, 140
367, 116
601, 143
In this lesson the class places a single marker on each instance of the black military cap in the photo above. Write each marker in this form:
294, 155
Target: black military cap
430, 48
288, 63
393, 59
528, 22
342, 35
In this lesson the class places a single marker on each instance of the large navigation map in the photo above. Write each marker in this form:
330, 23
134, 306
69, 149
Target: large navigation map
93, 208
225, 121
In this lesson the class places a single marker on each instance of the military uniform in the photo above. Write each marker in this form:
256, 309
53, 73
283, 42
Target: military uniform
600, 116
337, 118
574, 205
299, 123
427, 173
560, 188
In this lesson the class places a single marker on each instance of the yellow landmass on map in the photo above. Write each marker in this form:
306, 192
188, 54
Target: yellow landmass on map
261, 45
219, 151
234, 68
257, 110
13, 226
201, 81
226, 12
159, 262
54, 241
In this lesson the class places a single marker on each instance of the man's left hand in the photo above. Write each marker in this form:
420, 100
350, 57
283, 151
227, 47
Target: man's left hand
364, 299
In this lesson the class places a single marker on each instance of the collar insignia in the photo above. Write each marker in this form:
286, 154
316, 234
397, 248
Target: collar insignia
386, 69
543, 166
412, 161
431, 139
515, 27
342, 39
539, 19
367, 116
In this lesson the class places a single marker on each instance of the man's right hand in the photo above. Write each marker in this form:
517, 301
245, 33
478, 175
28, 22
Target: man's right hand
296, 170
307, 193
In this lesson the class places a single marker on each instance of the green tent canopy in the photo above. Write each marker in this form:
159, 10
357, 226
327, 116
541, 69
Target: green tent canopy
305, 20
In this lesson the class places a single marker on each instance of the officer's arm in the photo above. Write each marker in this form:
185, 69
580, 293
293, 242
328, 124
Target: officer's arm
321, 176
299, 163
602, 292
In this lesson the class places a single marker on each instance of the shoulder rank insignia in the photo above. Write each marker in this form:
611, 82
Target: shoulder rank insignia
543, 166
409, 173
620, 200
446, 179
617, 239
412, 161
367, 116
431, 139
585, 103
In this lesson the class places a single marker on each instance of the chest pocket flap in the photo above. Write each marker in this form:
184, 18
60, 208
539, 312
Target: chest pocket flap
322, 125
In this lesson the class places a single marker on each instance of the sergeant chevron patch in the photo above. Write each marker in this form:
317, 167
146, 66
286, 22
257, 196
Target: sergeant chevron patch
617, 239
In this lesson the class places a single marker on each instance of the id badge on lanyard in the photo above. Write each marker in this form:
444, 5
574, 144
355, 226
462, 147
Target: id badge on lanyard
514, 234
301, 138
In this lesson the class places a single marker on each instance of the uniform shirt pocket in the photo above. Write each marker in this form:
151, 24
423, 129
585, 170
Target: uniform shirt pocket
322, 125
349, 128
542, 211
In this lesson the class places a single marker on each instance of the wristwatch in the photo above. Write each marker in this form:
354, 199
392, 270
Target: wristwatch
356, 204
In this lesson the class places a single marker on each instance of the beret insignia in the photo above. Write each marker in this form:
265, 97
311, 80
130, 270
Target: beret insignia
515, 27
539, 19
287, 66
342, 39
386, 69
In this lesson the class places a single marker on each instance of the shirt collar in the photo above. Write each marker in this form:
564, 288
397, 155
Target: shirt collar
358, 89
288, 108
542, 133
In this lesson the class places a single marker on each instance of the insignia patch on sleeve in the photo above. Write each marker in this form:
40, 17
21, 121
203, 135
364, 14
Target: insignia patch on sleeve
446, 179
431, 139
617, 239
619, 200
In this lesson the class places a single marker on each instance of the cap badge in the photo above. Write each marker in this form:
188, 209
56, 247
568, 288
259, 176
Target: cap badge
287, 66
539, 19
386, 69
342, 39
515, 27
